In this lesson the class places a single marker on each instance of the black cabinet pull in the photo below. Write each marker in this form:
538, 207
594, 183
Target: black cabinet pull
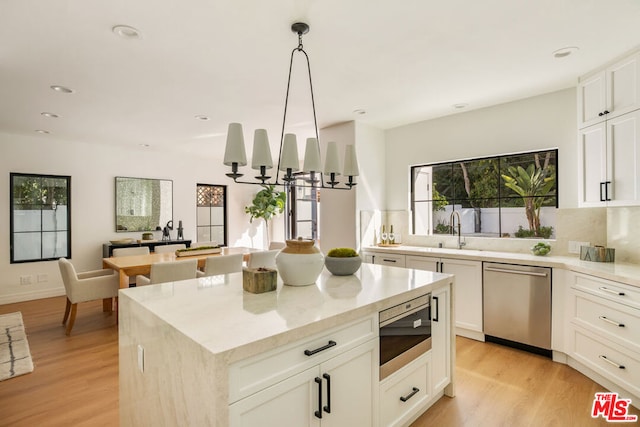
436, 300
327, 408
318, 350
602, 199
389, 260
606, 111
606, 190
318, 413
410, 395
600, 114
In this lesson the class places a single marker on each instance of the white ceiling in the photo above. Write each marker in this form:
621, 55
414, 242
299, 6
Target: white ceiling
400, 60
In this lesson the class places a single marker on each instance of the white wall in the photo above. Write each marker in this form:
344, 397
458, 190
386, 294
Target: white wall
545, 121
92, 169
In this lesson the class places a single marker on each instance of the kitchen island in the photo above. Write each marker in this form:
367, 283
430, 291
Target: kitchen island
204, 352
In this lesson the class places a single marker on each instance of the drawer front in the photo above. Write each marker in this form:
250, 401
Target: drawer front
608, 359
399, 399
258, 372
390, 259
617, 322
613, 291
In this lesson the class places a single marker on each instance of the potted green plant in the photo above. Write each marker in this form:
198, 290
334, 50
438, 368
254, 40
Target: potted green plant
266, 204
342, 261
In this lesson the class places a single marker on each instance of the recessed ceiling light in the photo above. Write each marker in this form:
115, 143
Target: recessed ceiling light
49, 115
42, 131
359, 112
460, 106
61, 89
126, 32
565, 51
202, 117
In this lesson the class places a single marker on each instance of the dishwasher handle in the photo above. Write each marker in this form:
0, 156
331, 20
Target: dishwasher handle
523, 273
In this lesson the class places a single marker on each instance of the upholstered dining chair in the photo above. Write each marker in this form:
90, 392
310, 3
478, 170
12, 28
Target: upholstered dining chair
159, 249
221, 264
87, 286
277, 245
169, 271
136, 250
265, 259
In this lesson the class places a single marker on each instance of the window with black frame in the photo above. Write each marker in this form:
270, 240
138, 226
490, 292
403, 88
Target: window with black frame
40, 217
513, 195
211, 207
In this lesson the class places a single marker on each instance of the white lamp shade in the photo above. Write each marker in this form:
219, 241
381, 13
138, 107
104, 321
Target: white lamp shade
261, 150
312, 156
289, 157
331, 163
350, 161
234, 150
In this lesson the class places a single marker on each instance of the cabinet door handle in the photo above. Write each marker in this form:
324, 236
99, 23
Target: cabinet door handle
389, 260
606, 111
611, 362
327, 408
602, 199
613, 322
611, 291
606, 191
318, 350
318, 413
600, 114
437, 304
410, 395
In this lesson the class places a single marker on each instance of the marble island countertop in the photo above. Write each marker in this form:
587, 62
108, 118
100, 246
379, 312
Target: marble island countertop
621, 272
216, 313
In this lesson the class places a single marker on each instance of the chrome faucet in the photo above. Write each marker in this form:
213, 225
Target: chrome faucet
452, 223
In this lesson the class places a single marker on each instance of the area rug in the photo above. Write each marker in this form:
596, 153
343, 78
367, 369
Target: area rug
15, 357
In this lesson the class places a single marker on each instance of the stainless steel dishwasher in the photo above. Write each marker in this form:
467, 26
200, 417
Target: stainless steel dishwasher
517, 306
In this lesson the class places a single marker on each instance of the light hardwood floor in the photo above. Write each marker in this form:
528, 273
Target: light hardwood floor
75, 381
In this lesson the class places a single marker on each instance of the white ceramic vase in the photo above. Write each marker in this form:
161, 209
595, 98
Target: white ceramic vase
299, 263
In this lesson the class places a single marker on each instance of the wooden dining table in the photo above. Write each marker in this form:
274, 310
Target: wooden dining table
129, 266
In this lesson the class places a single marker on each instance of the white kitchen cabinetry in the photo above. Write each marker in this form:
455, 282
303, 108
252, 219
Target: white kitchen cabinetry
329, 380
440, 339
380, 258
603, 332
610, 92
468, 299
609, 154
404, 394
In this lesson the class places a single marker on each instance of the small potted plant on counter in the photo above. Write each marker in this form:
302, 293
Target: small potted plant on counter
342, 261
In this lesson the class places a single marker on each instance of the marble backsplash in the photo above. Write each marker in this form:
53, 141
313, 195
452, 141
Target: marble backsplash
617, 228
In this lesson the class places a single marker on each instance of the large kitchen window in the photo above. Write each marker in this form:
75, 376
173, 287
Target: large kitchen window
211, 212
513, 195
40, 217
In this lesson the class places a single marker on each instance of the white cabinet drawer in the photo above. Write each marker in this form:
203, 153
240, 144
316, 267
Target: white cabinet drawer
608, 359
617, 322
406, 391
614, 291
258, 372
389, 259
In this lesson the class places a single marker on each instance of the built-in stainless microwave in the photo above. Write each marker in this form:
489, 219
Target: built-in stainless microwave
405, 334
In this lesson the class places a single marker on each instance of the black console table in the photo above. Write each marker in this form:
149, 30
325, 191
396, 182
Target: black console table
107, 248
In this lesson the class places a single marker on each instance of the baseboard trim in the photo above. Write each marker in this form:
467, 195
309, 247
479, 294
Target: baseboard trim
474, 335
32, 295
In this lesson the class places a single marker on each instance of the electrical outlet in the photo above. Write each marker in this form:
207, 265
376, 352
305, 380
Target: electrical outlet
42, 278
26, 280
574, 246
